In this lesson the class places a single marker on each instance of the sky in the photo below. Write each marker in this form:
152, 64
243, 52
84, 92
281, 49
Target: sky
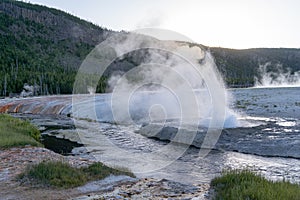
237, 24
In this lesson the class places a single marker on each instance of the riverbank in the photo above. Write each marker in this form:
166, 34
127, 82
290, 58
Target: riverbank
15, 160
15, 132
20, 149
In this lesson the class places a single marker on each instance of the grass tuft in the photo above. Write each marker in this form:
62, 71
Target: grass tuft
62, 175
244, 184
56, 174
17, 133
98, 171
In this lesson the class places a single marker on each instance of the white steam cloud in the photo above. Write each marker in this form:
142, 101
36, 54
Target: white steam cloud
276, 77
174, 81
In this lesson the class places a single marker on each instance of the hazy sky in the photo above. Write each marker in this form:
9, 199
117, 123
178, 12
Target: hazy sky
225, 23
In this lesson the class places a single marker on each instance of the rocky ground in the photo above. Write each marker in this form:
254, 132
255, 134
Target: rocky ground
15, 160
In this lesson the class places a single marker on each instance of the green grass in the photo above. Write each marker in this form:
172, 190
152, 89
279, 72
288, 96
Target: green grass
98, 171
17, 133
246, 185
62, 175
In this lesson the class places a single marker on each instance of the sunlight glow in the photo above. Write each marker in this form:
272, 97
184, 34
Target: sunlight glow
231, 23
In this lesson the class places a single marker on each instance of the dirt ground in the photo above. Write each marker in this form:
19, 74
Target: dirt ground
15, 160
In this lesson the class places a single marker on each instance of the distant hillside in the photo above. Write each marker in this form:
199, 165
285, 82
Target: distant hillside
44, 47
239, 67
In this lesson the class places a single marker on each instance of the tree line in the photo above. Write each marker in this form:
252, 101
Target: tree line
39, 47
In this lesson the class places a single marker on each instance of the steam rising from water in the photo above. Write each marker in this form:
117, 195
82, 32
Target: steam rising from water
276, 77
175, 82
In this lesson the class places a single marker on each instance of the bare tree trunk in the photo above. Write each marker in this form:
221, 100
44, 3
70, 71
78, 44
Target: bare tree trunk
34, 88
17, 68
41, 84
46, 92
5, 85
11, 70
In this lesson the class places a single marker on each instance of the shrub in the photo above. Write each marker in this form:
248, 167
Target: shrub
62, 175
244, 184
57, 174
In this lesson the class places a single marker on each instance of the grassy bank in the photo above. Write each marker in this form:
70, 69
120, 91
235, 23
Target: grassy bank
247, 185
62, 175
17, 133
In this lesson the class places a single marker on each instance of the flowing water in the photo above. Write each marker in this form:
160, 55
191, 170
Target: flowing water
266, 138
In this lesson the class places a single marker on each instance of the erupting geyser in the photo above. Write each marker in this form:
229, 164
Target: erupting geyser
174, 84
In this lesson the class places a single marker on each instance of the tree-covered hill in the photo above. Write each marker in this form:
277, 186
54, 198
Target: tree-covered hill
239, 67
44, 47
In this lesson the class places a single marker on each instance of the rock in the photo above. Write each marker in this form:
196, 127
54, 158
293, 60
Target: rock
169, 132
123, 194
157, 189
106, 184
